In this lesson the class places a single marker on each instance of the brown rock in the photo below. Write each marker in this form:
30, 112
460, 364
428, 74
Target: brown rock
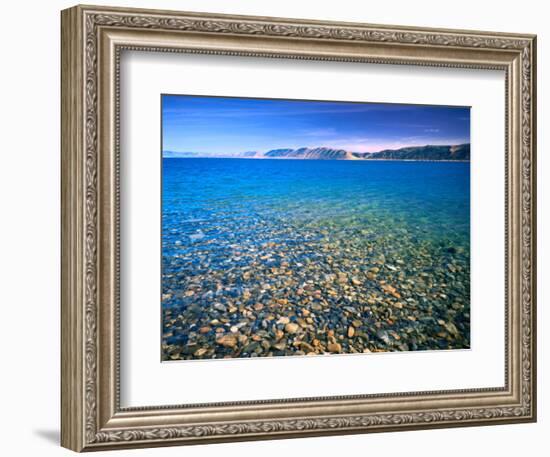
306, 347
228, 341
391, 290
334, 347
351, 332
291, 327
451, 328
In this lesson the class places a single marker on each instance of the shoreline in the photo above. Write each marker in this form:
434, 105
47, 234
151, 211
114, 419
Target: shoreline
322, 160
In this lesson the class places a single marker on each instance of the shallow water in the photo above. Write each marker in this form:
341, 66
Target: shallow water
243, 232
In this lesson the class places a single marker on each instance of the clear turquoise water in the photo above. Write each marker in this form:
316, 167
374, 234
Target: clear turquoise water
218, 216
217, 202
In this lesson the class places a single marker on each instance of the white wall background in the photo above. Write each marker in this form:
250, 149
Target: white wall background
29, 241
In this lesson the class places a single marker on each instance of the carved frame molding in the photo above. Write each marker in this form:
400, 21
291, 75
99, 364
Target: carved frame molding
92, 40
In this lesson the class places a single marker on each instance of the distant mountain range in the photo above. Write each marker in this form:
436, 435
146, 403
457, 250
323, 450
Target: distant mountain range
189, 154
460, 152
310, 153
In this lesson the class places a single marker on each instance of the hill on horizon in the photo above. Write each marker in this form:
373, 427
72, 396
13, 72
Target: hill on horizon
460, 152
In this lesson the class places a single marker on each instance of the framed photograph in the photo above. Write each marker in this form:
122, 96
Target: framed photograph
274, 228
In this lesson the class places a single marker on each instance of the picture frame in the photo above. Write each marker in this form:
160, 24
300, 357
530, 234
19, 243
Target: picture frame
93, 39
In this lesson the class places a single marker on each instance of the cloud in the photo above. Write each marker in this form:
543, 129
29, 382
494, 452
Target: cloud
364, 144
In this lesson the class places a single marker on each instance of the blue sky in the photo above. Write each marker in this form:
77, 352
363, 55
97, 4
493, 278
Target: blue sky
223, 125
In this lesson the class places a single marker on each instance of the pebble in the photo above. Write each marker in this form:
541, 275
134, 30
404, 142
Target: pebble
383, 336
229, 341
200, 352
291, 328
219, 307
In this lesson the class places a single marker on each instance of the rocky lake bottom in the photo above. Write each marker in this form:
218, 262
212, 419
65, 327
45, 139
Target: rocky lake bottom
266, 258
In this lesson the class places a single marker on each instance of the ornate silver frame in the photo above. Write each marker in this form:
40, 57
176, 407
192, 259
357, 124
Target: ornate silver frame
92, 40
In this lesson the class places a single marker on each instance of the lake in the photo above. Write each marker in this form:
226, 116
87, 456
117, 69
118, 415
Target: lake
266, 257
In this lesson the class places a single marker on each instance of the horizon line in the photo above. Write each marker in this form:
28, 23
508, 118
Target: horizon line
318, 147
